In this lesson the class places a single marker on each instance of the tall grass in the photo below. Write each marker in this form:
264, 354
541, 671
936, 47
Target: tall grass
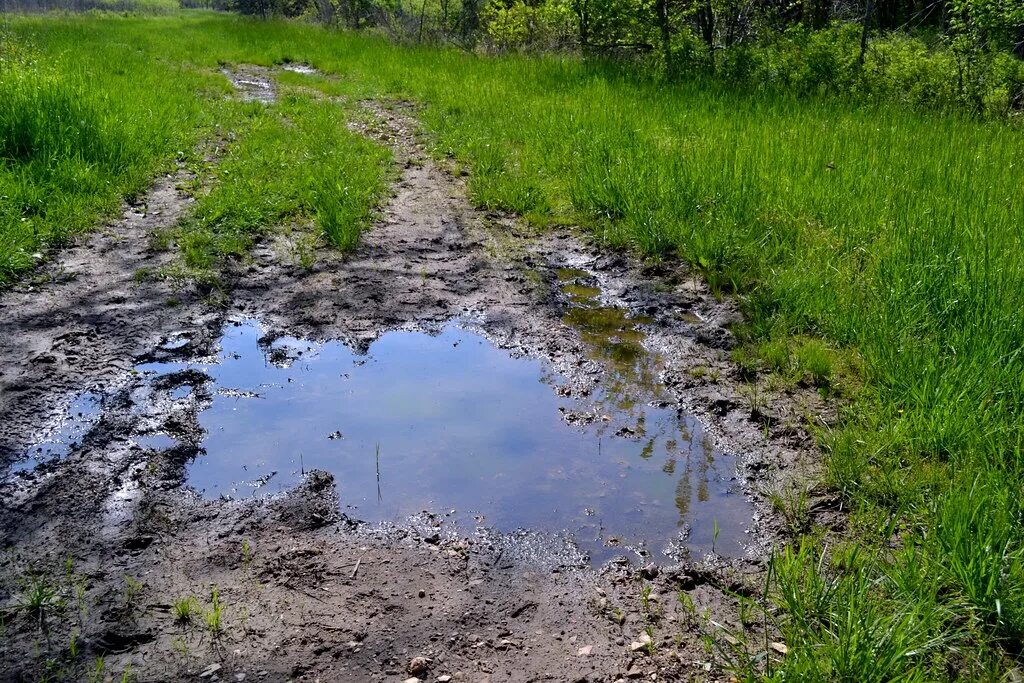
893, 236
78, 131
295, 160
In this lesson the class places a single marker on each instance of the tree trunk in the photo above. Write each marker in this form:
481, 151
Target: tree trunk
582, 8
1018, 48
470, 21
661, 8
423, 16
869, 8
325, 8
706, 24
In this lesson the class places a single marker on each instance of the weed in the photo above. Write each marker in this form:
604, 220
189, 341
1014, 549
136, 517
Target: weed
185, 610
180, 646
39, 598
645, 597
96, 673
650, 646
688, 607
132, 588
793, 506
213, 615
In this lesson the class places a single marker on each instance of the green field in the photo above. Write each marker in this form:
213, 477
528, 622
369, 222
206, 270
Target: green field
876, 251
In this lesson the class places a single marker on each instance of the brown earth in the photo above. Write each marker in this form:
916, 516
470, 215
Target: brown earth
307, 593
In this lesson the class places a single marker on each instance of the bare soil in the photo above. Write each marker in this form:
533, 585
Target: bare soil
307, 593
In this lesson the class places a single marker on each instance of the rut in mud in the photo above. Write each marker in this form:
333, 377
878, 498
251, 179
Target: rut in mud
305, 592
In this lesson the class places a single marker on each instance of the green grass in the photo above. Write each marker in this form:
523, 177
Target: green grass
86, 123
79, 130
876, 250
185, 610
296, 160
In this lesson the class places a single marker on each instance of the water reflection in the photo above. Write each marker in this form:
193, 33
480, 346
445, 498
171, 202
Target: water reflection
449, 421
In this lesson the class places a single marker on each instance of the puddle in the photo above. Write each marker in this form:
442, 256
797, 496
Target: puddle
252, 83
299, 68
65, 434
613, 338
450, 422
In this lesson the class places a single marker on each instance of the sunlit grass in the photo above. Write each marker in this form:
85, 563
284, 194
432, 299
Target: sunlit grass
295, 160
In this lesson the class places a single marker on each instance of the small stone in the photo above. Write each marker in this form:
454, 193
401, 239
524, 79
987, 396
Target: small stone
641, 643
634, 672
411, 680
239, 677
444, 679
417, 666
779, 647
585, 651
422, 593
210, 670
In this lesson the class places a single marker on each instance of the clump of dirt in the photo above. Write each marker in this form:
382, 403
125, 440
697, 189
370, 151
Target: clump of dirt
149, 576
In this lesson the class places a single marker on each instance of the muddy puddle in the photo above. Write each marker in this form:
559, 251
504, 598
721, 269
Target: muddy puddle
64, 433
448, 422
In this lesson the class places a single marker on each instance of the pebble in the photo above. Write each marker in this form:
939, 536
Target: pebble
210, 670
640, 644
418, 665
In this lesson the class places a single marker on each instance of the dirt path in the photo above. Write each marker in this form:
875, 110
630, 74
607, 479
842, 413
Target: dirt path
304, 592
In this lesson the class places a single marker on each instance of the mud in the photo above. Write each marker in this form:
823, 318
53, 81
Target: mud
289, 587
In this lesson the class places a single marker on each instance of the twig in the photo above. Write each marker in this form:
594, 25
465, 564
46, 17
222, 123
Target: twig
358, 562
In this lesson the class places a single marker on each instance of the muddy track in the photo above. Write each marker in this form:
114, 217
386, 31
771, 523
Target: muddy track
307, 593
80, 321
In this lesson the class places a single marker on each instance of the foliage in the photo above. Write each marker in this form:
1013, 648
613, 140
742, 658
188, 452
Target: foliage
518, 25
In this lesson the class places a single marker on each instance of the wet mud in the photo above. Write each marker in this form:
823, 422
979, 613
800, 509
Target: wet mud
155, 448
